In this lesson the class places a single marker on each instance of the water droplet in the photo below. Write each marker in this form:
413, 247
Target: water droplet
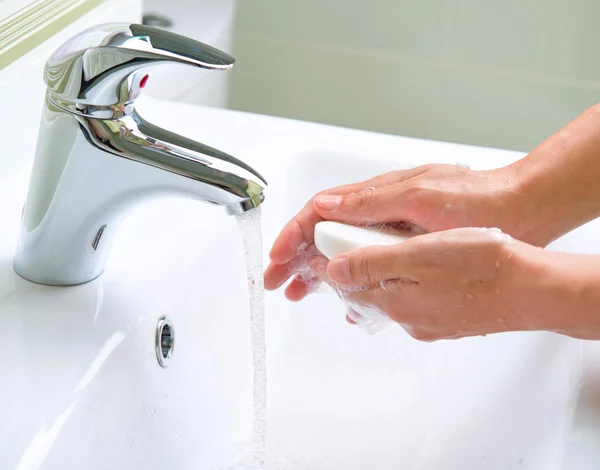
501, 321
470, 296
497, 290
463, 166
177, 436
131, 440
497, 264
369, 188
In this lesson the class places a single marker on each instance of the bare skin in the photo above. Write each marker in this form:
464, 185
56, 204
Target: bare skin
551, 191
467, 282
431, 197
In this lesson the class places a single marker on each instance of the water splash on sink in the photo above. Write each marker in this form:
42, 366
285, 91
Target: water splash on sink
249, 224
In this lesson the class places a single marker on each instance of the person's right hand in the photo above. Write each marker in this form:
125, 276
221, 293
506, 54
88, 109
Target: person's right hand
430, 197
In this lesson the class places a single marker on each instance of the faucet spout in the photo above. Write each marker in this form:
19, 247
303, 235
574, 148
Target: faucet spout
216, 177
96, 161
89, 173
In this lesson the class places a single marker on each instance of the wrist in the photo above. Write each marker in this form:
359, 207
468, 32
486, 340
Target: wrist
557, 183
546, 207
512, 202
520, 203
557, 292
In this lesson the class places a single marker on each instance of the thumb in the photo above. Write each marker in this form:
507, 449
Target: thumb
370, 265
371, 205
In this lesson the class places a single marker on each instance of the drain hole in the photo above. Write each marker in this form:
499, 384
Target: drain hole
165, 341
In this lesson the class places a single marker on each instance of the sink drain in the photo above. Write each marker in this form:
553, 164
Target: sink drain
165, 341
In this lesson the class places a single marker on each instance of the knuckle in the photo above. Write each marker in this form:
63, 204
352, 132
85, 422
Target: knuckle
368, 270
365, 198
360, 200
423, 188
416, 191
362, 269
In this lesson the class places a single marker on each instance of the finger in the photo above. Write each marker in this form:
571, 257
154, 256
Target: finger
293, 234
304, 284
377, 204
369, 266
296, 290
276, 275
370, 206
301, 228
361, 300
372, 303
320, 270
318, 266
352, 316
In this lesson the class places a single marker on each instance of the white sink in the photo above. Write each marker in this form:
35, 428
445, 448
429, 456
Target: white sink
82, 388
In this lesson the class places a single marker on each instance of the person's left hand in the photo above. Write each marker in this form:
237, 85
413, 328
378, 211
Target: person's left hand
442, 285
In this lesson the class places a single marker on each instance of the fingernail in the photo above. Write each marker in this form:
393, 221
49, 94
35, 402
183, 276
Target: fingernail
328, 202
339, 270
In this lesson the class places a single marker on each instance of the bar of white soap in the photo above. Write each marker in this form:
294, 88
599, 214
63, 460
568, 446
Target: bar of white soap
334, 238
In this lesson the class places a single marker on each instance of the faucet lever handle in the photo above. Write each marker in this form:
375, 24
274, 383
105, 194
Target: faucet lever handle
167, 46
98, 68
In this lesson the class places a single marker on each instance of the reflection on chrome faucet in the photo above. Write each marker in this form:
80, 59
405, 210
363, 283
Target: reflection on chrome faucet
97, 157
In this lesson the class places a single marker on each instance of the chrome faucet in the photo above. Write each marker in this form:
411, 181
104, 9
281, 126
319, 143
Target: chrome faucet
96, 157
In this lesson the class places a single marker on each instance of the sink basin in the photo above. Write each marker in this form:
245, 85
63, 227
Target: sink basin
387, 401
84, 388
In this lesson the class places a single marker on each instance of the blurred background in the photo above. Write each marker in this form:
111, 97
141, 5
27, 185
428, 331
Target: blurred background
492, 73
498, 74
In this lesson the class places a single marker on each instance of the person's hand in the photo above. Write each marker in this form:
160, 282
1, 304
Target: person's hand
430, 197
442, 285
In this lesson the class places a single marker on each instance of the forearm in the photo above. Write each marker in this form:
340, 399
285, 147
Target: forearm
559, 292
559, 181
